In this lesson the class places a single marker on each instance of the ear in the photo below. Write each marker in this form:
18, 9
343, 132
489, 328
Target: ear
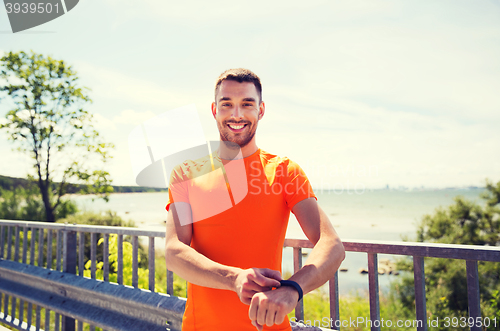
262, 110
214, 109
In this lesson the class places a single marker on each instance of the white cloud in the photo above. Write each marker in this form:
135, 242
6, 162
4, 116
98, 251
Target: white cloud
103, 123
223, 11
130, 116
112, 84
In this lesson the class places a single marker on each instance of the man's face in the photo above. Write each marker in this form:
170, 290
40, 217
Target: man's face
237, 111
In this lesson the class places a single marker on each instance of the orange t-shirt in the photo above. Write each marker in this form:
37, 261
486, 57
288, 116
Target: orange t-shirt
240, 212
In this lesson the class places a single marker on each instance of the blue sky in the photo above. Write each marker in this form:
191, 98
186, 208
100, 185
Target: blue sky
360, 93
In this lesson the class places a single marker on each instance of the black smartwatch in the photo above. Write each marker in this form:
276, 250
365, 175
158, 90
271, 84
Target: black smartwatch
293, 284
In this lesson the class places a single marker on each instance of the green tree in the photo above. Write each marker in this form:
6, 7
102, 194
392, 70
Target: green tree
48, 121
464, 223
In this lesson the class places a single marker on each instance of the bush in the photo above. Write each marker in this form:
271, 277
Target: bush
108, 218
465, 223
26, 204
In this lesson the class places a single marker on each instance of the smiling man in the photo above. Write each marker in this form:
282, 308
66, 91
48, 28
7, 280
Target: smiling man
231, 258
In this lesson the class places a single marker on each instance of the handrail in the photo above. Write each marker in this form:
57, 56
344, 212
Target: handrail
447, 251
85, 228
66, 239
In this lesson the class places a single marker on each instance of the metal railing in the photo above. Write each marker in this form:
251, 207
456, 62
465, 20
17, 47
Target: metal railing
110, 306
69, 241
69, 246
470, 254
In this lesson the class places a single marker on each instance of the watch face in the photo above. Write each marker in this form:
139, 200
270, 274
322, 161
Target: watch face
26, 14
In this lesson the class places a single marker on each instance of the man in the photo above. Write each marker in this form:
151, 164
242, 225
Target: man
230, 252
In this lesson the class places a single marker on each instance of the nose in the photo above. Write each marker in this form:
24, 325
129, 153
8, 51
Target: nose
237, 113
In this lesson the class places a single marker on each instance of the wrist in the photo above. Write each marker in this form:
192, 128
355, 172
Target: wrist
290, 293
233, 278
294, 286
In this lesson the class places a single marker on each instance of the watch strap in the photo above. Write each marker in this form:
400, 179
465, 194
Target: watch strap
293, 284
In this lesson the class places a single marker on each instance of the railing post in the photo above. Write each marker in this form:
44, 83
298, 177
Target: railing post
119, 270
9, 243
334, 302
373, 289
2, 243
473, 293
32, 247
49, 249
170, 283
69, 252
135, 261
25, 245
93, 254
69, 266
40, 247
105, 257
151, 264
81, 256
297, 265
420, 303
16, 246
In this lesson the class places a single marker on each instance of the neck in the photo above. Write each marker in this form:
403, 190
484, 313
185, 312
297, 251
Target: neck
228, 153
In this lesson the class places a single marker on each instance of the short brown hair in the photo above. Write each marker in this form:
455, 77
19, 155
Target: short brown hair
239, 75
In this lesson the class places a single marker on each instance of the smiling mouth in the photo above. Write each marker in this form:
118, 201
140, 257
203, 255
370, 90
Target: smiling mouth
236, 126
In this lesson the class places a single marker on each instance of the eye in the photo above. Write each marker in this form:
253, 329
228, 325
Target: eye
248, 104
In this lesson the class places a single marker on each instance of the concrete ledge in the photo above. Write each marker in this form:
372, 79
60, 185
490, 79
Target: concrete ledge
110, 306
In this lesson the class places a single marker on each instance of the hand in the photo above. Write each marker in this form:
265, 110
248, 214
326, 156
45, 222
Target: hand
272, 307
255, 280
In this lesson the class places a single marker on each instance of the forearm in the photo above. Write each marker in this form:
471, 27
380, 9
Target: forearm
186, 262
321, 265
198, 269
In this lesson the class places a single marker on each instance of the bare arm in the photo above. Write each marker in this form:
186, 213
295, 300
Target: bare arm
328, 252
200, 270
271, 307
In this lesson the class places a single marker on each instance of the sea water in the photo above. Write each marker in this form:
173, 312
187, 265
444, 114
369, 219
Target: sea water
384, 215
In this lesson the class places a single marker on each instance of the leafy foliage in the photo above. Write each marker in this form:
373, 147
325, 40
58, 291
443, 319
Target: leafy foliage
10, 183
108, 218
465, 223
26, 204
48, 122
142, 272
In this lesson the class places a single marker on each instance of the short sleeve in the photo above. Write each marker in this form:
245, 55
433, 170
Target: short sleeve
177, 188
297, 185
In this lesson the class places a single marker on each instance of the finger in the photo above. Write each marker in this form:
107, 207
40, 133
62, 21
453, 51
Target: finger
257, 288
264, 281
262, 312
252, 285
246, 300
258, 326
279, 317
270, 317
252, 311
246, 296
270, 273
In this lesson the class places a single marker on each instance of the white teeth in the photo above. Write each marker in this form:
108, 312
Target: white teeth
236, 127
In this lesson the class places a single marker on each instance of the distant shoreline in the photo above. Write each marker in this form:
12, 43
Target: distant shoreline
11, 183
